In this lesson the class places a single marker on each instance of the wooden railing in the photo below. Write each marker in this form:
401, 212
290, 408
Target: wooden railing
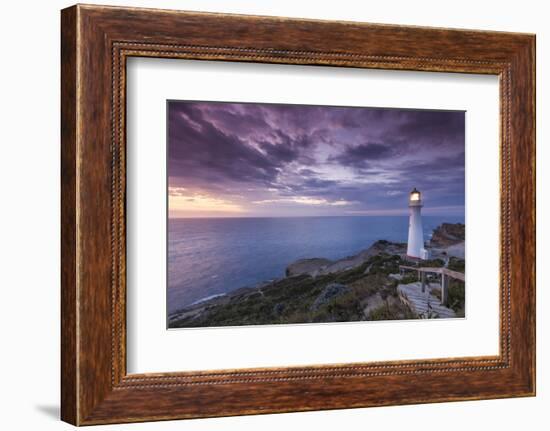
443, 272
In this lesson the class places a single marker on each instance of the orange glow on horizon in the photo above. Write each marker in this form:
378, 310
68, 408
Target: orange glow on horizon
182, 203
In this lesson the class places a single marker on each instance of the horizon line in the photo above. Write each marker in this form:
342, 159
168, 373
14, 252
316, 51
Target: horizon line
312, 216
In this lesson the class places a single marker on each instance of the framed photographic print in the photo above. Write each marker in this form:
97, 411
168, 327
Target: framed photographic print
267, 215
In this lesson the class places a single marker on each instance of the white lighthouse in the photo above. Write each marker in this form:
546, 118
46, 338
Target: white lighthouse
415, 245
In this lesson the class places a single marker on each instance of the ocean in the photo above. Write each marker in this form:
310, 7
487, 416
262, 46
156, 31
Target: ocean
212, 256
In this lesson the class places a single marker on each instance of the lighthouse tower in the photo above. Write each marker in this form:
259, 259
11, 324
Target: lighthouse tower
415, 245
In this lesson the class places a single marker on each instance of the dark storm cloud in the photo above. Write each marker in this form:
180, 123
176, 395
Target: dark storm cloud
433, 125
282, 149
360, 155
351, 158
198, 149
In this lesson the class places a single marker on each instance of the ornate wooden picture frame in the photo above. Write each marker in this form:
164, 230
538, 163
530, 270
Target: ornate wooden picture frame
96, 41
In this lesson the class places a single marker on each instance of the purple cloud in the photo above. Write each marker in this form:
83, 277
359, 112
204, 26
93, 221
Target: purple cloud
315, 159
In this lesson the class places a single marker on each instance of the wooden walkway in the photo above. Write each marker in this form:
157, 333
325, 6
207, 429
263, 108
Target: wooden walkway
426, 305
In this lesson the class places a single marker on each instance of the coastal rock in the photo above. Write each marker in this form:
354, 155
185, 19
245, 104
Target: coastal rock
306, 266
319, 266
329, 293
448, 234
455, 250
388, 247
379, 247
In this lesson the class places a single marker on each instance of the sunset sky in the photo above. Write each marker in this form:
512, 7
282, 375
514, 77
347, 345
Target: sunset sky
264, 160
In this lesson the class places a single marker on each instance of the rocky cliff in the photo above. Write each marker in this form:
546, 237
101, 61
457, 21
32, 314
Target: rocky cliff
448, 234
316, 266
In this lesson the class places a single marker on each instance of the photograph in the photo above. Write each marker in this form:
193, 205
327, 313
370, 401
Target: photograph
295, 214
